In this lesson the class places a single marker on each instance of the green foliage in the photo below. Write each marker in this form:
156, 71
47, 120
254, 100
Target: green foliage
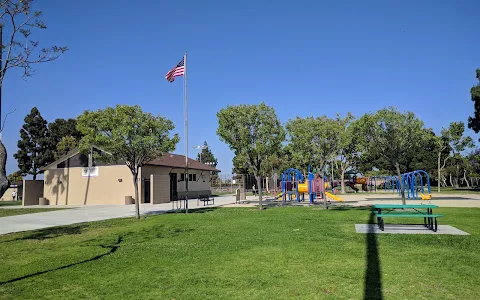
65, 130
206, 156
15, 176
313, 141
474, 122
65, 145
253, 131
388, 136
454, 137
126, 134
34, 149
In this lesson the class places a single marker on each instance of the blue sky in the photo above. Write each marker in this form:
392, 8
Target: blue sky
301, 57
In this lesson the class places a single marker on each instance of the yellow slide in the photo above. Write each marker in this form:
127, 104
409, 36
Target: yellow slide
333, 197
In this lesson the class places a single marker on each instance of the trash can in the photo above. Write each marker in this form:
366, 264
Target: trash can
129, 200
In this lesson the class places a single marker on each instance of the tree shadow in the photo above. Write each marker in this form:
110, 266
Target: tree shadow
113, 248
52, 232
373, 281
198, 210
58, 183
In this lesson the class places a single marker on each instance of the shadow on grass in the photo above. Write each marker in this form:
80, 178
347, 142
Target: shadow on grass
199, 210
373, 281
50, 233
113, 248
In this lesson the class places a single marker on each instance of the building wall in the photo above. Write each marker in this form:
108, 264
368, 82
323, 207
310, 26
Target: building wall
68, 186
32, 191
159, 183
8, 194
195, 188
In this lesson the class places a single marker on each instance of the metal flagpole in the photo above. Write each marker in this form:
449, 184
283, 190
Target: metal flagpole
185, 95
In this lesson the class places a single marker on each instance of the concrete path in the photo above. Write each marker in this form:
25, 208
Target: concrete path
408, 229
90, 213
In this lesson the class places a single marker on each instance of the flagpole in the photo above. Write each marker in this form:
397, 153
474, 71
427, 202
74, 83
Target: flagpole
185, 95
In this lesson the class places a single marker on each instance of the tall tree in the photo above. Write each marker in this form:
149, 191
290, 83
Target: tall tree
127, 134
253, 131
206, 156
17, 175
18, 18
474, 122
313, 141
454, 140
390, 135
34, 151
66, 130
348, 149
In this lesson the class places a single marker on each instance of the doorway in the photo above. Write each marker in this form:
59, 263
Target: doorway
146, 191
173, 187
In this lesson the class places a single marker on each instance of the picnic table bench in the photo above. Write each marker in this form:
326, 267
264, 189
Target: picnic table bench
407, 211
205, 199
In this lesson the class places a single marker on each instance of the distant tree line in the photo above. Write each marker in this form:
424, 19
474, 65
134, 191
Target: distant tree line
386, 142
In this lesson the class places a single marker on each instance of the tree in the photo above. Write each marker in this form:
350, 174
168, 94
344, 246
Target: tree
65, 130
33, 147
127, 134
474, 122
313, 141
253, 131
15, 176
206, 156
390, 135
65, 145
455, 142
348, 145
18, 18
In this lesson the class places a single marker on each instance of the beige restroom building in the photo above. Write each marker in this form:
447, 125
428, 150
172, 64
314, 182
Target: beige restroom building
69, 181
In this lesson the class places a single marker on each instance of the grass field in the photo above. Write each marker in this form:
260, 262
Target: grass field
242, 253
24, 211
10, 203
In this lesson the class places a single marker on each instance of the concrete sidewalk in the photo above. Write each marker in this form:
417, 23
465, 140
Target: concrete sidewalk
91, 213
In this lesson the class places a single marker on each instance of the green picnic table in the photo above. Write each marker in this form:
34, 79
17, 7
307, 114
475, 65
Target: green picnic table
407, 211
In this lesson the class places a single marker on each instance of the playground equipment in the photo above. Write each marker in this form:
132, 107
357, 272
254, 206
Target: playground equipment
414, 184
295, 186
386, 183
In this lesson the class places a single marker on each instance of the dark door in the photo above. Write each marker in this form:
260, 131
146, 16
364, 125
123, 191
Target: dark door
146, 191
173, 186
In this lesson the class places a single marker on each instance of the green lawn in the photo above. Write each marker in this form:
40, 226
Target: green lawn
10, 203
242, 253
23, 211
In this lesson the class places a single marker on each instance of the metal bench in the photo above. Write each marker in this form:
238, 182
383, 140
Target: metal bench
205, 199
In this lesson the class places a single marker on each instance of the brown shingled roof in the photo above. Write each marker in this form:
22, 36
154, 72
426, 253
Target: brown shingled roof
178, 161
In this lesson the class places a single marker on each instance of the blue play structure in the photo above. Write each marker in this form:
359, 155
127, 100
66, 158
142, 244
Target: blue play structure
386, 183
414, 183
295, 186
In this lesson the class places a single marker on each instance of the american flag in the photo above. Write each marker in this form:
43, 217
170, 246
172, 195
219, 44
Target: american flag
179, 70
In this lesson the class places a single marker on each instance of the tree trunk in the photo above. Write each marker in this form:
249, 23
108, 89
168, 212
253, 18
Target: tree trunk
450, 179
342, 182
402, 188
439, 170
137, 200
465, 178
4, 183
259, 183
35, 176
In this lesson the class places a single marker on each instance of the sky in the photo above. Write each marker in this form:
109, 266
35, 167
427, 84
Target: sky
301, 57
